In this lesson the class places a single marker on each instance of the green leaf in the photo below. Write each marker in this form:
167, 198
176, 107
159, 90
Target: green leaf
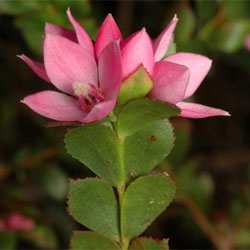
135, 86
206, 9
43, 237
15, 7
77, 8
182, 146
97, 147
234, 9
227, 36
145, 149
143, 201
171, 48
186, 25
140, 113
230, 37
92, 240
55, 182
92, 203
201, 190
149, 243
32, 26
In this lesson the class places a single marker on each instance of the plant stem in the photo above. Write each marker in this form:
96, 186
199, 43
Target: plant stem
124, 243
202, 221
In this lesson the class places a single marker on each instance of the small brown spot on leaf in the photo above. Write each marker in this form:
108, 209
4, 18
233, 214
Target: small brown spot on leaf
153, 138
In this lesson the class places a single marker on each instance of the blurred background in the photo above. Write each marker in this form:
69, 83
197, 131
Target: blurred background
210, 162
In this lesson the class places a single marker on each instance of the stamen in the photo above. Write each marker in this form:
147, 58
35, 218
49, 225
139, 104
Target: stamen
88, 95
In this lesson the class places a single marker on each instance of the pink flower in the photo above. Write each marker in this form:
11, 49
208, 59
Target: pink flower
247, 42
175, 78
90, 76
16, 222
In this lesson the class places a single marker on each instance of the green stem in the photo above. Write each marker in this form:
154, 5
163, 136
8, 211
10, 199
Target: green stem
121, 190
122, 187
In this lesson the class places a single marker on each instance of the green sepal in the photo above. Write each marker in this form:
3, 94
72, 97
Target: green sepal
92, 240
140, 113
92, 203
97, 147
135, 86
171, 49
145, 149
143, 243
143, 201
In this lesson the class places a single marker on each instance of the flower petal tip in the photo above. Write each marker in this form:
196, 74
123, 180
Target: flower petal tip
227, 113
110, 15
19, 56
175, 18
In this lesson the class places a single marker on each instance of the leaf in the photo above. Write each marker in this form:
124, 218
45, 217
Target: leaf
230, 37
18, 7
234, 9
149, 243
32, 26
205, 9
92, 240
201, 191
97, 147
182, 146
43, 237
135, 86
54, 181
92, 203
77, 8
171, 49
227, 36
138, 114
145, 149
143, 201
186, 26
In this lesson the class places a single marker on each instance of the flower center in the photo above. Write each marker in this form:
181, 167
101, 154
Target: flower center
88, 95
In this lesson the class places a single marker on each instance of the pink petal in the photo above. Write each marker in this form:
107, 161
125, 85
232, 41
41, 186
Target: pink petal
99, 111
82, 36
199, 66
60, 31
170, 81
55, 105
194, 110
108, 32
37, 68
163, 40
67, 62
137, 50
110, 70
27, 224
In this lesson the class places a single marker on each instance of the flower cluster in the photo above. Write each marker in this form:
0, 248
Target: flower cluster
90, 75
